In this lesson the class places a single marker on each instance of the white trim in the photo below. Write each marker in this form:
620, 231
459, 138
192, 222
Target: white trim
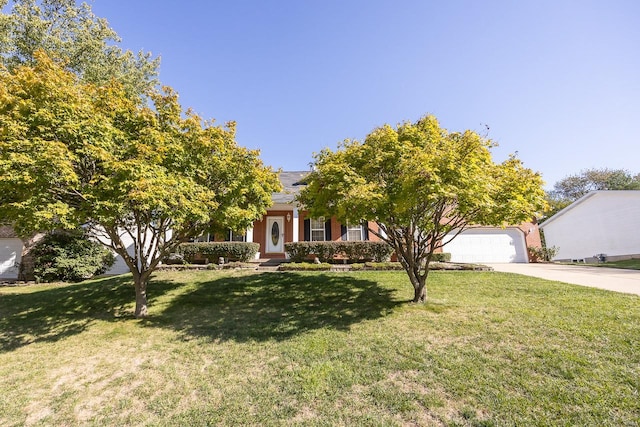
268, 242
322, 221
353, 228
296, 225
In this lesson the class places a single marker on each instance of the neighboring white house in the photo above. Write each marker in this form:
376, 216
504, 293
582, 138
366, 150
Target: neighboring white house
601, 222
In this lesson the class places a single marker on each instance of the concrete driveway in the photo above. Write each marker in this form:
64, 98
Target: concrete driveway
612, 279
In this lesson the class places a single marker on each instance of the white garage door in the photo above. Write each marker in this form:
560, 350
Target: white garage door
488, 245
10, 256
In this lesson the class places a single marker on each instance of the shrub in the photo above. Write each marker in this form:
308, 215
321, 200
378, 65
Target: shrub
544, 254
441, 257
212, 251
304, 266
69, 256
384, 266
174, 259
326, 251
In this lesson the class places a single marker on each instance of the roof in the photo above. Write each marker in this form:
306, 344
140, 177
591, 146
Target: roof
583, 199
292, 182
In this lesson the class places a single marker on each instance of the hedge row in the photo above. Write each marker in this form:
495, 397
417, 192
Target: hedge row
212, 251
326, 251
304, 266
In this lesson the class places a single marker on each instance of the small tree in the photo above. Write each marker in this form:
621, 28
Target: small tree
423, 186
142, 179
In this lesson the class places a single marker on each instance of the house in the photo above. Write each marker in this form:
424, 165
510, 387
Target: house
286, 222
599, 223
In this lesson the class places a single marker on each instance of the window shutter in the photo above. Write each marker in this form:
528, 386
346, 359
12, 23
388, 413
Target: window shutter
343, 231
365, 231
307, 230
227, 236
327, 230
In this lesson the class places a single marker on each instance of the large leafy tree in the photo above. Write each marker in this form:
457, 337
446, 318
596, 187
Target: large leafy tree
73, 34
142, 178
422, 185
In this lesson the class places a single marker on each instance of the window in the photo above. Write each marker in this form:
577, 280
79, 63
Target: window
236, 237
204, 237
317, 230
231, 236
354, 232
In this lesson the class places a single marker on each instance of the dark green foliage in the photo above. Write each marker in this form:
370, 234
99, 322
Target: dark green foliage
326, 251
382, 266
441, 257
212, 251
304, 266
69, 256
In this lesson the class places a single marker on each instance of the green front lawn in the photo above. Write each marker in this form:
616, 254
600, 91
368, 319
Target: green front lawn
631, 264
244, 348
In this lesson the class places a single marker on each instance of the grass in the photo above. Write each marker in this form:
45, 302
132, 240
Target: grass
245, 348
631, 264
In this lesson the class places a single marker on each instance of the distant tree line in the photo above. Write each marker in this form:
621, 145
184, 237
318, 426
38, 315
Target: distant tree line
572, 187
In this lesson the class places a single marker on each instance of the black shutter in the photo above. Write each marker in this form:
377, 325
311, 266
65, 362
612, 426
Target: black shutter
327, 230
365, 231
307, 230
343, 231
227, 236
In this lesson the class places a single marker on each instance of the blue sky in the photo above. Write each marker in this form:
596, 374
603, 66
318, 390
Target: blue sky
557, 81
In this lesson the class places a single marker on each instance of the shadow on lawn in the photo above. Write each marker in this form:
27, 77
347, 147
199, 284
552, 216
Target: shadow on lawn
58, 312
274, 306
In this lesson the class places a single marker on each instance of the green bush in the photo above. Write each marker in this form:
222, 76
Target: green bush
326, 251
441, 257
304, 266
212, 251
69, 256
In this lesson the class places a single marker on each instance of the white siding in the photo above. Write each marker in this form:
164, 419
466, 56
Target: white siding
603, 222
119, 267
10, 257
488, 245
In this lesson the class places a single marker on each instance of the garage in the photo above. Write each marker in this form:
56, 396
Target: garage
10, 256
488, 245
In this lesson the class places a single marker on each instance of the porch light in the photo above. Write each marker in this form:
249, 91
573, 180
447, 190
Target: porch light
288, 217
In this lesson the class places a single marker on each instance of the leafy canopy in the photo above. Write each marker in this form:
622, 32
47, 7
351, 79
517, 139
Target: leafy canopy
76, 153
72, 34
420, 183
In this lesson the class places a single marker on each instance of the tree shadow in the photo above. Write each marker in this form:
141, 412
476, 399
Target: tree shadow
51, 314
276, 306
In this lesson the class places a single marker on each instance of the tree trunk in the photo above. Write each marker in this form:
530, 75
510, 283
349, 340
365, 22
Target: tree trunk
420, 293
141, 298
